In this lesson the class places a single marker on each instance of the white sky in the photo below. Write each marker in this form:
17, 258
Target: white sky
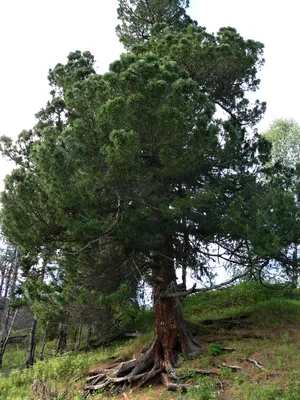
35, 35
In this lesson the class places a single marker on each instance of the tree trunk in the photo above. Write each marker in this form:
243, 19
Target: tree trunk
295, 272
5, 339
89, 338
12, 286
62, 338
3, 271
31, 347
9, 292
8, 281
172, 335
44, 341
78, 337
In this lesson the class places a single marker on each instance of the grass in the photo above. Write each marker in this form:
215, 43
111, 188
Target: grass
274, 314
266, 305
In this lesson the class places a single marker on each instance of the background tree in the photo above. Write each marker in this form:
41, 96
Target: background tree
284, 135
9, 313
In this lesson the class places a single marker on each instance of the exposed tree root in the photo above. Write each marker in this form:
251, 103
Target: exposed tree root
152, 364
172, 336
172, 387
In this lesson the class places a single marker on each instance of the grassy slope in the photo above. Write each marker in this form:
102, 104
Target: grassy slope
257, 323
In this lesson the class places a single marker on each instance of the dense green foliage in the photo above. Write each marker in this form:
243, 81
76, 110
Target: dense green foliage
152, 166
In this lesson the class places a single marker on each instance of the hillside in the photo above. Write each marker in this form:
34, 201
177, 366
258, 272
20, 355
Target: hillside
249, 339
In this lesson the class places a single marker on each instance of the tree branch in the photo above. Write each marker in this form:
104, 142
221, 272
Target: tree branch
194, 290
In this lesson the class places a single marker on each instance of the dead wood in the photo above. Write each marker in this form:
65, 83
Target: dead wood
225, 348
254, 335
257, 363
234, 368
204, 372
220, 384
131, 334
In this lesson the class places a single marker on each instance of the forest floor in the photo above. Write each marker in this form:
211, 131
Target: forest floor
249, 350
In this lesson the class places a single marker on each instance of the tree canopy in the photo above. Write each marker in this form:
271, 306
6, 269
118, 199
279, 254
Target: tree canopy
137, 170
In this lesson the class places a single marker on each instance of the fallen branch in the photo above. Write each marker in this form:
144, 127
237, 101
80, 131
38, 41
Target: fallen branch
132, 334
257, 363
204, 372
234, 368
221, 385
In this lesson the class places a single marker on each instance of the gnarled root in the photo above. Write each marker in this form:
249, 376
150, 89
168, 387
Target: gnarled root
155, 362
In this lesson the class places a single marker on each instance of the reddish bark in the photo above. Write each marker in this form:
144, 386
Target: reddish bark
171, 333
172, 336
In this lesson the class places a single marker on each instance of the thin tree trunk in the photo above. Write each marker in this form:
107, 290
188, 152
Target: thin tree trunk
44, 341
185, 256
295, 272
8, 282
62, 338
89, 338
9, 291
13, 284
3, 272
5, 339
31, 347
78, 343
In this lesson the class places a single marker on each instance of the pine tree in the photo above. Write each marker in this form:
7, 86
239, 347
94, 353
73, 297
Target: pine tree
141, 168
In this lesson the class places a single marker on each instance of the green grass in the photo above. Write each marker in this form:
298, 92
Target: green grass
54, 375
265, 305
276, 312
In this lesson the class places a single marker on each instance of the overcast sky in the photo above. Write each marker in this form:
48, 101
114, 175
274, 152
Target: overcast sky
36, 35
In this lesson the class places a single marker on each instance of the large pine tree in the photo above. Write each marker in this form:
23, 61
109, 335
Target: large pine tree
157, 159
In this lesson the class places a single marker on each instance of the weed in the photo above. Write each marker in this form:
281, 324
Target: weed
293, 391
214, 349
285, 338
203, 390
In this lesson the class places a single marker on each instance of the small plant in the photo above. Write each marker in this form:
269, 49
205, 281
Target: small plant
285, 338
293, 391
203, 390
214, 349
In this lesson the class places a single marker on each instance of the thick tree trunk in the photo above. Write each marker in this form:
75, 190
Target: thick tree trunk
31, 346
172, 335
